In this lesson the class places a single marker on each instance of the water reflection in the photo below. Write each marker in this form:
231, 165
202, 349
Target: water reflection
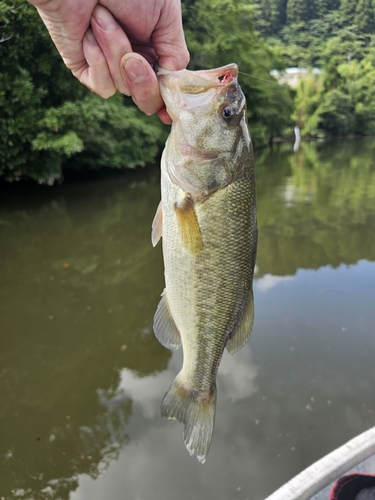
154, 451
82, 375
316, 207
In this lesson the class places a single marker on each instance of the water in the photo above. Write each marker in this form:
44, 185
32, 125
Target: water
82, 375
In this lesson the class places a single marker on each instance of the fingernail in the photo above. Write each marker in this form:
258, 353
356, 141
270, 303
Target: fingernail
104, 19
135, 70
90, 37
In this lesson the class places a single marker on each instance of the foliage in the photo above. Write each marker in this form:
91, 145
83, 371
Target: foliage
299, 11
338, 37
27, 86
307, 102
99, 133
269, 15
347, 8
364, 16
342, 102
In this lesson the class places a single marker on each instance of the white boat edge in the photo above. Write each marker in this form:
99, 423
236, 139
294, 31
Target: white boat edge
329, 468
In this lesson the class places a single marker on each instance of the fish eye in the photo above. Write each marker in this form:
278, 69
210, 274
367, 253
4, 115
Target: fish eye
228, 112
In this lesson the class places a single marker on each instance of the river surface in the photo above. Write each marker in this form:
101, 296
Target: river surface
82, 375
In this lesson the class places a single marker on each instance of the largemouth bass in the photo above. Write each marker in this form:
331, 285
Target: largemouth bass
207, 221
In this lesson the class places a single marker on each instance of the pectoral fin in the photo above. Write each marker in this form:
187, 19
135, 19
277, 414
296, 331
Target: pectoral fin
164, 326
188, 226
242, 334
157, 225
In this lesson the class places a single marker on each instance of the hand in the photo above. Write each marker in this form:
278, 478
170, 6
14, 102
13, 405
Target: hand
117, 51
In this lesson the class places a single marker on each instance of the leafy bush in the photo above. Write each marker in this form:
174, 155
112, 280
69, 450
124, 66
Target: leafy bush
99, 133
342, 101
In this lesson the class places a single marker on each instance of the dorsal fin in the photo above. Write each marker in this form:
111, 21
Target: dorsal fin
188, 226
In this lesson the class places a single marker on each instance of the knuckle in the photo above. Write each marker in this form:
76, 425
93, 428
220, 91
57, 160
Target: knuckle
105, 93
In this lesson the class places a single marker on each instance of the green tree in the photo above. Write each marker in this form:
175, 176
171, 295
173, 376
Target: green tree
269, 16
336, 37
335, 113
30, 70
300, 11
307, 101
347, 9
357, 80
364, 16
99, 133
342, 102
347, 44
281, 9
323, 7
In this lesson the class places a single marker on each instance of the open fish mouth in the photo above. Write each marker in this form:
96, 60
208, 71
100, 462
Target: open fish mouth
200, 81
217, 76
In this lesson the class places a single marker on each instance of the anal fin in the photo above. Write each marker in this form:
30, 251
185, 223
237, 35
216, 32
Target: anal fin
157, 225
189, 226
243, 332
164, 326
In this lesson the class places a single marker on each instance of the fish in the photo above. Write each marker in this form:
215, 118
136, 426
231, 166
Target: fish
207, 222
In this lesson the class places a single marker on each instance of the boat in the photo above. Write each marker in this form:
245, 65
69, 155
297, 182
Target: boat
317, 481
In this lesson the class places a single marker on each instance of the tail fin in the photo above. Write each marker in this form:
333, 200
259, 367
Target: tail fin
197, 415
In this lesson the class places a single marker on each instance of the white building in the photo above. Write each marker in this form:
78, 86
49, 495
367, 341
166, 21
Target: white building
292, 76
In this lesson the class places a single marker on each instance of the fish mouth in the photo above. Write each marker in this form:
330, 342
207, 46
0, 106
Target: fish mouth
196, 82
